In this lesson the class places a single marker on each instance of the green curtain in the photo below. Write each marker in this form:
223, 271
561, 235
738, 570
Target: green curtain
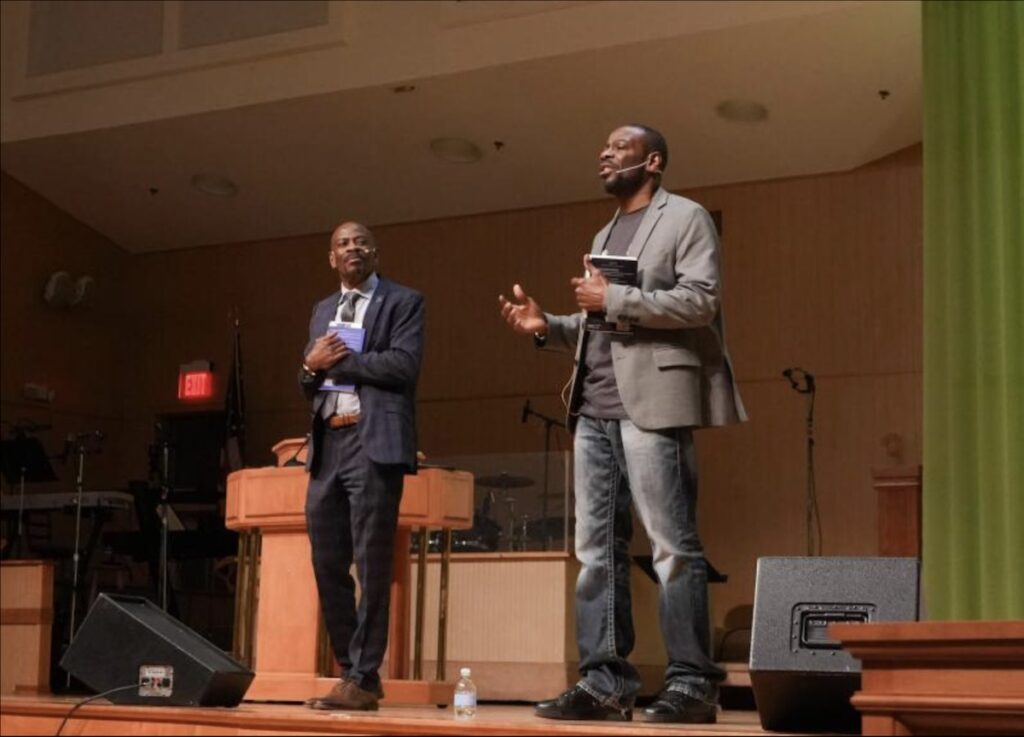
973, 560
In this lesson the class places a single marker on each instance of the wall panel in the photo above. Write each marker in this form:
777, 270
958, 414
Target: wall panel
821, 272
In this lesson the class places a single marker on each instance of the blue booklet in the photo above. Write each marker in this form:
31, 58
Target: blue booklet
352, 336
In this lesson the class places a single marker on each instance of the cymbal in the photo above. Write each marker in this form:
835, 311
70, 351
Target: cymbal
505, 481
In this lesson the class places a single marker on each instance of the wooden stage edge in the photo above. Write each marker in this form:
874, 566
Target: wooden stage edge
28, 715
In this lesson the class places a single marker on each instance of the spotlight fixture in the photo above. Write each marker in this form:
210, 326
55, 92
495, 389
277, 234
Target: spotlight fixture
215, 184
456, 149
742, 111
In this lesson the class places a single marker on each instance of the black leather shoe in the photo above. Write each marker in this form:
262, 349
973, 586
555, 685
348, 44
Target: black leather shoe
676, 706
576, 703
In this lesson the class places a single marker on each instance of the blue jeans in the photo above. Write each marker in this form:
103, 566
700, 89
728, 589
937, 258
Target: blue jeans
613, 459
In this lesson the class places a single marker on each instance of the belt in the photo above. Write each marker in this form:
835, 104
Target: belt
336, 421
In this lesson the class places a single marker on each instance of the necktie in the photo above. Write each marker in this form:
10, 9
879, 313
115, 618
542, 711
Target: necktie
347, 307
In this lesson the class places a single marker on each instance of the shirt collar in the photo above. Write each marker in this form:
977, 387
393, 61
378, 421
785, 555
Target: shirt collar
365, 289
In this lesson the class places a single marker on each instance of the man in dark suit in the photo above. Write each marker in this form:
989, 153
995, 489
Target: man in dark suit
363, 442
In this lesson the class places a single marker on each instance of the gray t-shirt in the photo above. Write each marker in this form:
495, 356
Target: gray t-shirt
601, 398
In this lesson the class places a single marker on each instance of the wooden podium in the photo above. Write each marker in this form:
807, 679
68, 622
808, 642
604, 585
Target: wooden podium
272, 501
938, 677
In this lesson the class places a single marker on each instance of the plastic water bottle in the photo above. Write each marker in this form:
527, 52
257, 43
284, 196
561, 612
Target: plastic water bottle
465, 696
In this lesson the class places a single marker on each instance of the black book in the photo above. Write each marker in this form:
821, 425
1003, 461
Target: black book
618, 270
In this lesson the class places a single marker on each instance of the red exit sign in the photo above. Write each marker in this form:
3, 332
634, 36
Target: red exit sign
195, 382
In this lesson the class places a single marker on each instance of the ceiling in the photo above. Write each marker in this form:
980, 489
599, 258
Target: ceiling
302, 164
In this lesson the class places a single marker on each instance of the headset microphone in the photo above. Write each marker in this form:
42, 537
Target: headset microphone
645, 162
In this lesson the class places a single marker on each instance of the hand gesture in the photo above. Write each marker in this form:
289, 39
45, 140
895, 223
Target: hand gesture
327, 350
524, 315
590, 289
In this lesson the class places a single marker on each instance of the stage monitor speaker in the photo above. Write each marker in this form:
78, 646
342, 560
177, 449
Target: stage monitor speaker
128, 640
802, 679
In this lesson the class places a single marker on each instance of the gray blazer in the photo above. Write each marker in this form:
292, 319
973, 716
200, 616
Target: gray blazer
385, 374
674, 370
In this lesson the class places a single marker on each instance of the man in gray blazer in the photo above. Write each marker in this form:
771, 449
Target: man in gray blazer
363, 442
636, 398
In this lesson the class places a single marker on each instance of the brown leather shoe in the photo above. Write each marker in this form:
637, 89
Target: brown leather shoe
346, 695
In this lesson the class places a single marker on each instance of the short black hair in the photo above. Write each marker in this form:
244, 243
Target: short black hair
654, 142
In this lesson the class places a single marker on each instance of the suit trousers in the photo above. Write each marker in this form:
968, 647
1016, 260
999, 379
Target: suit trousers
351, 515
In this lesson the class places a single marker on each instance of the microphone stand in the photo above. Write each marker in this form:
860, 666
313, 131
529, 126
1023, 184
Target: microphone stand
19, 544
807, 386
79, 448
811, 503
165, 493
549, 422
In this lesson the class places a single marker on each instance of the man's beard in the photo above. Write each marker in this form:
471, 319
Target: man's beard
626, 184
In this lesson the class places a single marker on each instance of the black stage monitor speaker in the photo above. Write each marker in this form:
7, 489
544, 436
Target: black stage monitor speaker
802, 679
128, 640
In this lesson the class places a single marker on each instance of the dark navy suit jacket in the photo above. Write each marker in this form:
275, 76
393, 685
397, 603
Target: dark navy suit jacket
385, 374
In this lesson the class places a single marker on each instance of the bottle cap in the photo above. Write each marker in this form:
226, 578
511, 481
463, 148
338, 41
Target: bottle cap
464, 672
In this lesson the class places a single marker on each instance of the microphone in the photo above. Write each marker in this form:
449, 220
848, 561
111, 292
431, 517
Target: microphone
526, 411
631, 168
294, 460
645, 162
806, 376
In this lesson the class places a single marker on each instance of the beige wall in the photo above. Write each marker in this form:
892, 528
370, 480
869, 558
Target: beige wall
822, 272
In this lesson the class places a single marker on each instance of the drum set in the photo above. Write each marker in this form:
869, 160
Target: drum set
501, 522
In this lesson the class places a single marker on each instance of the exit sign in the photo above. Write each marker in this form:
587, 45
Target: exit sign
195, 381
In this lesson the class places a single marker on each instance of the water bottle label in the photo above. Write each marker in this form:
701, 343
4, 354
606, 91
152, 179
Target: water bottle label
463, 700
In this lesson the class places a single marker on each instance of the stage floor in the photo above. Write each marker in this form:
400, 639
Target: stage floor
43, 715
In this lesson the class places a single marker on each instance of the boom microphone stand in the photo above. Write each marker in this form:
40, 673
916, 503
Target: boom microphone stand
165, 494
802, 382
77, 443
549, 422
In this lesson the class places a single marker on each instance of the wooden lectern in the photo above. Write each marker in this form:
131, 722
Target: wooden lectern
272, 500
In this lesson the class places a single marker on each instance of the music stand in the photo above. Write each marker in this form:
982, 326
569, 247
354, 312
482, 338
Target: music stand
24, 461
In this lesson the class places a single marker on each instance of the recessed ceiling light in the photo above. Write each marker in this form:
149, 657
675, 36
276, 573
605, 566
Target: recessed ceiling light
215, 184
742, 111
456, 149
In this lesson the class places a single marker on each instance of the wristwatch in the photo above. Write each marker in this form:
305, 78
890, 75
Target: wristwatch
308, 374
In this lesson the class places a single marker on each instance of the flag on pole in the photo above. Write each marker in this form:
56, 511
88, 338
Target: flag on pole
234, 409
